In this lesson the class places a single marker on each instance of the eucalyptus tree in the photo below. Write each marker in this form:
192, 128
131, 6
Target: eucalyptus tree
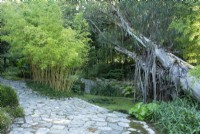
37, 35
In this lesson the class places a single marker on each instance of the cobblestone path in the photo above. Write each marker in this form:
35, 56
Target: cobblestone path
67, 116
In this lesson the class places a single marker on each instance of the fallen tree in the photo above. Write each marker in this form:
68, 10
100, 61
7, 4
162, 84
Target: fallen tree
155, 63
158, 74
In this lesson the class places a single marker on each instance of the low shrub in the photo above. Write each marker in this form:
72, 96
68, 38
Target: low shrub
106, 89
113, 87
9, 107
14, 111
7, 114
8, 97
78, 88
114, 74
143, 111
18, 112
178, 117
129, 91
11, 73
5, 121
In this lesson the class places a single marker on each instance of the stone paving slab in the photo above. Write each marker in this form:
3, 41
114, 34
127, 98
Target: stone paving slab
66, 116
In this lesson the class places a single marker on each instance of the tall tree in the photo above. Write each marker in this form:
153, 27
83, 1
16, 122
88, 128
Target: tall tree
35, 29
187, 25
158, 72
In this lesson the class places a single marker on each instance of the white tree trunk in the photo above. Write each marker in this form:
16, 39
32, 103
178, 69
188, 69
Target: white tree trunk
179, 68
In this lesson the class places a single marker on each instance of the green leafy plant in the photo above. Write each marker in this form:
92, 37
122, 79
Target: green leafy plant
14, 111
18, 112
11, 73
128, 91
9, 107
78, 88
5, 121
143, 111
196, 72
106, 89
8, 97
114, 74
180, 116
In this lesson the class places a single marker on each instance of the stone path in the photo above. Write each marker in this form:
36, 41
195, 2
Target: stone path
66, 116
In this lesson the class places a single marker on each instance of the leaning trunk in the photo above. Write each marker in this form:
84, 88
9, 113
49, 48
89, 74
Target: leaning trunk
178, 69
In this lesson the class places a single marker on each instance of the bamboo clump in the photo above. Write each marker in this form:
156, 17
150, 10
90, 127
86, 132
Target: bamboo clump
56, 77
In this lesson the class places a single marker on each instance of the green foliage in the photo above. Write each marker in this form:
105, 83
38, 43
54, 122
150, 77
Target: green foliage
37, 36
7, 114
5, 121
18, 112
151, 18
187, 24
42, 36
106, 89
104, 61
114, 74
9, 108
46, 90
196, 72
178, 117
14, 111
129, 91
143, 111
104, 70
11, 73
8, 97
78, 88
112, 87
4, 46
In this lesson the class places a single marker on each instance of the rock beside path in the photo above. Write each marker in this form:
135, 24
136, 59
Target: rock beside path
65, 116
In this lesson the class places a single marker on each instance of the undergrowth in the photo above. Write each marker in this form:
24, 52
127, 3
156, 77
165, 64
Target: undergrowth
46, 90
9, 107
11, 73
180, 116
8, 97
